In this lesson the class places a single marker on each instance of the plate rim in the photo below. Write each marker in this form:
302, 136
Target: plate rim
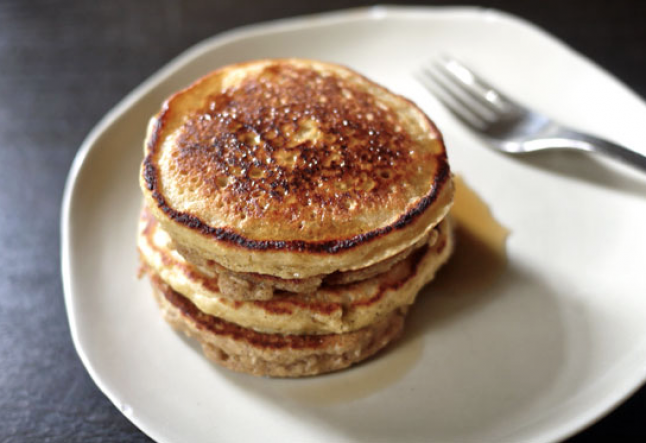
322, 19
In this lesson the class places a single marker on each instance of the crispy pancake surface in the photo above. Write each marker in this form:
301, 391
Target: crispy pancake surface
331, 309
276, 355
294, 168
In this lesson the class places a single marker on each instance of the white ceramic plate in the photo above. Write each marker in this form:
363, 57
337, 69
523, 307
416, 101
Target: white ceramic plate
558, 341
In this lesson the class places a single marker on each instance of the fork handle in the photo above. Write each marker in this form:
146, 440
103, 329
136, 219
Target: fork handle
570, 138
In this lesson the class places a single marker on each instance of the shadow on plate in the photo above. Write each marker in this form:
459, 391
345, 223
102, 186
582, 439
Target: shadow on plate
589, 168
477, 351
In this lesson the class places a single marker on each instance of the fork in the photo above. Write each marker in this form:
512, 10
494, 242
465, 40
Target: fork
506, 124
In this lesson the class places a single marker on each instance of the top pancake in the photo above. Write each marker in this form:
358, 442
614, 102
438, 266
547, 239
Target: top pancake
294, 168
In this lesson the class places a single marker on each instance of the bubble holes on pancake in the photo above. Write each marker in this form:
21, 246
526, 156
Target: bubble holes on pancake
318, 145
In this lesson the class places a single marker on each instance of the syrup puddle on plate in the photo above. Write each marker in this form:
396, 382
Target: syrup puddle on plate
478, 260
479, 257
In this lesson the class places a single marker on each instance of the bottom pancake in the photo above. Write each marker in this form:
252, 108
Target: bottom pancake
275, 355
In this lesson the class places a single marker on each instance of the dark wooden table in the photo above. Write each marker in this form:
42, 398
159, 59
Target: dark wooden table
63, 64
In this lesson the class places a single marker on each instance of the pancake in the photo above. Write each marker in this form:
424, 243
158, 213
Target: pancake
275, 355
294, 169
331, 309
253, 286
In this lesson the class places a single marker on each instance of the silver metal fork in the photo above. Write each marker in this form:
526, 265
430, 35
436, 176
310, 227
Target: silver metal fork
506, 124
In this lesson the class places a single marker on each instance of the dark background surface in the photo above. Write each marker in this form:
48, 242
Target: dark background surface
63, 65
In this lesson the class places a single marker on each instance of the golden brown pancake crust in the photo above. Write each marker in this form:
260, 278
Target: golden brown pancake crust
241, 150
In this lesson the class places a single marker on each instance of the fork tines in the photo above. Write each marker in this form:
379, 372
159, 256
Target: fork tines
466, 95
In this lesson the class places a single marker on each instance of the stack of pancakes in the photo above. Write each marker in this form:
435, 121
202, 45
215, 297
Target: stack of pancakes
293, 211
